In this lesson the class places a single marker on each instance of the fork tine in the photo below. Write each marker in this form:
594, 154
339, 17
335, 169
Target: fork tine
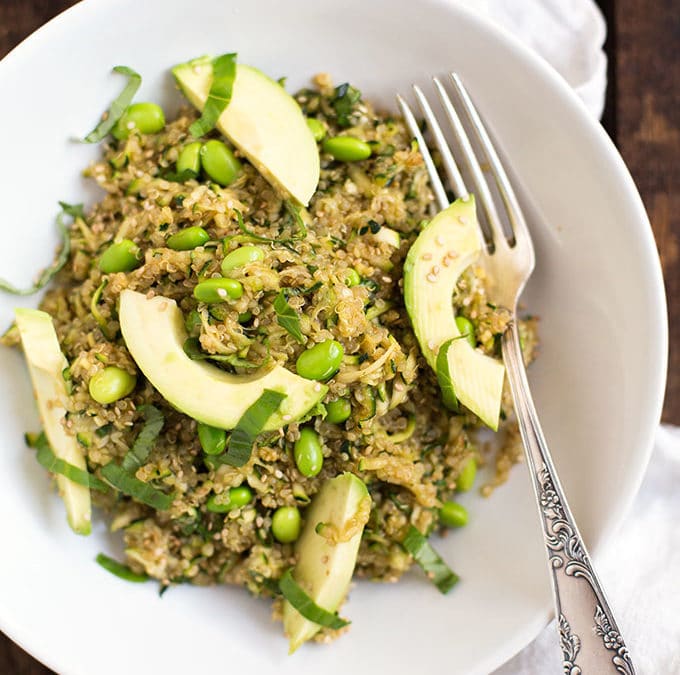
481, 185
452, 171
437, 185
515, 216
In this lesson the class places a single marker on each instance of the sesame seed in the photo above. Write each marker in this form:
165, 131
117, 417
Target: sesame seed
386, 280
426, 256
317, 386
222, 292
440, 240
446, 262
278, 474
452, 254
432, 345
436, 269
287, 417
431, 278
462, 220
398, 386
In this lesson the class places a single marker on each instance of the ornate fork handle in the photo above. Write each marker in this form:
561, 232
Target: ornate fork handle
589, 637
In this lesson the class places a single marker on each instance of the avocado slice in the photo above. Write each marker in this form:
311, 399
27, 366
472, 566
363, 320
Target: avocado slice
327, 551
46, 365
264, 122
153, 330
440, 254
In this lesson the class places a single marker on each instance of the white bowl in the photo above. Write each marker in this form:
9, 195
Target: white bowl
598, 384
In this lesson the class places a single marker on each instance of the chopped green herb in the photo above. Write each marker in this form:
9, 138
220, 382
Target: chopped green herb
250, 426
141, 448
120, 570
345, 99
223, 76
429, 560
287, 317
297, 597
94, 308
73, 210
56, 465
192, 348
118, 107
135, 488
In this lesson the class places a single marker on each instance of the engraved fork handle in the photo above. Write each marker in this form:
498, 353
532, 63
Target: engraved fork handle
590, 639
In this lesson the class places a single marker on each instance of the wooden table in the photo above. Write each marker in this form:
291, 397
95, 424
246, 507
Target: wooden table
642, 116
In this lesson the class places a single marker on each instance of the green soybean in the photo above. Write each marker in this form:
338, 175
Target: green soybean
338, 411
453, 514
286, 524
147, 118
352, 277
219, 162
189, 158
321, 361
241, 256
213, 440
218, 289
317, 128
123, 256
466, 478
111, 384
188, 239
235, 498
467, 329
308, 452
347, 148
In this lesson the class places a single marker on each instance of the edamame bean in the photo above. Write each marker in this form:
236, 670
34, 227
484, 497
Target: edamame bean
453, 514
213, 440
189, 158
188, 239
308, 452
317, 128
241, 256
338, 411
352, 277
218, 289
321, 361
111, 384
147, 118
467, 329
347, 148
234, 498
122, 256
286, 524
466, 478
219, 162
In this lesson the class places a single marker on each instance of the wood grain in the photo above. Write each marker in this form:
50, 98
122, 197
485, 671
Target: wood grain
642, 115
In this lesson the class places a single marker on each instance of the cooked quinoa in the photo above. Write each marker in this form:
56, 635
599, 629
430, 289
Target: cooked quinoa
390, 386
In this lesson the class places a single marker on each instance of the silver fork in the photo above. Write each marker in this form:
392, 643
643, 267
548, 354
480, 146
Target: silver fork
589, 637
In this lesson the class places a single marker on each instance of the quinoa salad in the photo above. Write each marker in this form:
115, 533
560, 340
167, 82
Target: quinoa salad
243, 385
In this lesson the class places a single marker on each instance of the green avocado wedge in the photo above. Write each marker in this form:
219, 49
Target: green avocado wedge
327, 551
154, 333
264, 122
46, 365
443, 250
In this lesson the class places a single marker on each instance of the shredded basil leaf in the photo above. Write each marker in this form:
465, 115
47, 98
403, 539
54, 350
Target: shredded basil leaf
135, 488
54, 464
118, 107
141, 448
297, 597
346, 97
250, 426
120, 570
287, 317
429, 560
73, 210
295, 213
449, 398
223, 76
192, 348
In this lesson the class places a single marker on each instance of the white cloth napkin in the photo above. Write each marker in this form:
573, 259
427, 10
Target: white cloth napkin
568, 34
641, 565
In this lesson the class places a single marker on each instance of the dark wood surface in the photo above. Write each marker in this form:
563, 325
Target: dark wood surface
642, 116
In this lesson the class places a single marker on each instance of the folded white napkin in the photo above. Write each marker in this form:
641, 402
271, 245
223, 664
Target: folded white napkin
568, 34
641, 566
